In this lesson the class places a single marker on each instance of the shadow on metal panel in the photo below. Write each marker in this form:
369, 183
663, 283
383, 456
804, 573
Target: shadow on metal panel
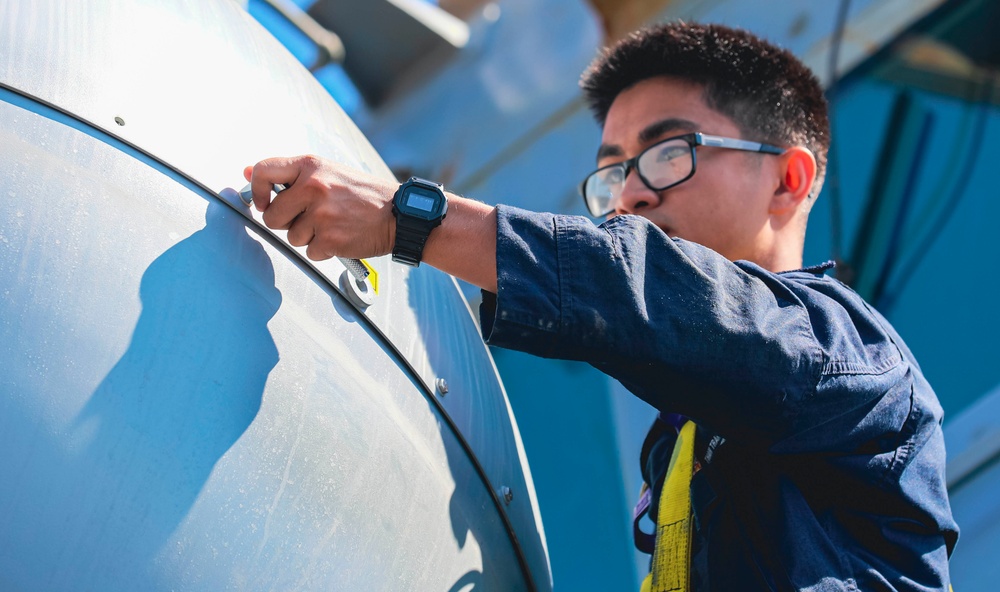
185, 390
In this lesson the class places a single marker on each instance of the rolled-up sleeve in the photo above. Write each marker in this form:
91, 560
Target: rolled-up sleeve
679, 325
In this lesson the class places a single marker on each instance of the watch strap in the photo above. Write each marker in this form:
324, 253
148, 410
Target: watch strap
411, 236
412, 231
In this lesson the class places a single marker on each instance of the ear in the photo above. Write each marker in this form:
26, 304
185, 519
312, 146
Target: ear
798, 171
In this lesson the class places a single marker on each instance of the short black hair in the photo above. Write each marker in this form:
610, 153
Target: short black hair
767, 92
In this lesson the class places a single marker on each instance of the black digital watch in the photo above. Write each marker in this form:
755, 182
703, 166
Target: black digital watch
419, 206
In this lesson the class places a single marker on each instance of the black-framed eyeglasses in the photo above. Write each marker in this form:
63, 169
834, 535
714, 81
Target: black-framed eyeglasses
663, 165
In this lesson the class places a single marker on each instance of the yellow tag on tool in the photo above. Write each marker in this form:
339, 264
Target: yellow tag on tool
372, 275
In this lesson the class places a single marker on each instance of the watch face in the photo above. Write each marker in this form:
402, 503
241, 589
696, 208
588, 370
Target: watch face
420, 202
418, 198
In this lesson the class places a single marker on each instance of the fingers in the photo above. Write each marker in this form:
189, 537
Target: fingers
271, 171
293, 209
314, 252
304, 231
329, 208
301, 232
313, 229
281, 214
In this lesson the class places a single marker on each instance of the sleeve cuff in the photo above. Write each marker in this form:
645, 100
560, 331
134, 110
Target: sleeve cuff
525, 313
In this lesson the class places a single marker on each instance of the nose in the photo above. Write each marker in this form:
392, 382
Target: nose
635, 195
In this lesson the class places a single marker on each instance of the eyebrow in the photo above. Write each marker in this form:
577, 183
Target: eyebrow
648, 134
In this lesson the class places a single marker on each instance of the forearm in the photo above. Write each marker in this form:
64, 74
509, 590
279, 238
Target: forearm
465, 245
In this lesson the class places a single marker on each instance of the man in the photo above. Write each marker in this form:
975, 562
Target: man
807, 453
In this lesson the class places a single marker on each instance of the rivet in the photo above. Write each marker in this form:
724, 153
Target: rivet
442, 386
507, 494
119, 120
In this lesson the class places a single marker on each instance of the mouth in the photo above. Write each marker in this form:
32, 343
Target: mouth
656, 219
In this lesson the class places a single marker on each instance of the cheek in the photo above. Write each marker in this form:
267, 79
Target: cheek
711, 203
720, 215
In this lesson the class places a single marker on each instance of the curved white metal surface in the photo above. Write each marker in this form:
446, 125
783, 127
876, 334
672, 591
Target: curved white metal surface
183, 408
204, 91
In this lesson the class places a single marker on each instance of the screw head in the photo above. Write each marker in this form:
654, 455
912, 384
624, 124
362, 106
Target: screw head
442, 386
506, 494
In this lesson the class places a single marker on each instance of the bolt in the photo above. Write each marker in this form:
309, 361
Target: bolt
442, 386
119, 120
507, 494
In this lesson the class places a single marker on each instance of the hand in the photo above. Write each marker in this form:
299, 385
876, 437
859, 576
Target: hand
334, 210
329, 208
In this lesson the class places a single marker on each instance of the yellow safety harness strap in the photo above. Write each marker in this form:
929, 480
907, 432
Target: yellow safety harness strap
672, 555
671, 571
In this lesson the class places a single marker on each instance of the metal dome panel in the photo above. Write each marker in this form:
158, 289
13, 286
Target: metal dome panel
122, 121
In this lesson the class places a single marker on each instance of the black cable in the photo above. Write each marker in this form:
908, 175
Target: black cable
951, 205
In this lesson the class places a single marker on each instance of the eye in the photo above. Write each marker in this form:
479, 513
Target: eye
670, 151
613, 175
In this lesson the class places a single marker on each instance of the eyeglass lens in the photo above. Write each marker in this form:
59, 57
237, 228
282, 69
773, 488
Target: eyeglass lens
660, 166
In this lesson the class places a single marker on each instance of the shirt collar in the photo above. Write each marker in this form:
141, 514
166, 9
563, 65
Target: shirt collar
821, 268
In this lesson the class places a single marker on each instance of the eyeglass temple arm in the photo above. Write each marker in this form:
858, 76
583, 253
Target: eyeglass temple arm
733, 143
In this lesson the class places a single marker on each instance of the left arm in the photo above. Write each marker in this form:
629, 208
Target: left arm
334, 210
679, 325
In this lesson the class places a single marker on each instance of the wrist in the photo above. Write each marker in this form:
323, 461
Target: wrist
464, 245
418, 206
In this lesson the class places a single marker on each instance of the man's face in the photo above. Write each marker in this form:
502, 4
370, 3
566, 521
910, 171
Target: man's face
724, 206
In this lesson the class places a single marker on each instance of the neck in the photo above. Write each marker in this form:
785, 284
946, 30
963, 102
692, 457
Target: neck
782, 256
782, 253
779, 247
779, 264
